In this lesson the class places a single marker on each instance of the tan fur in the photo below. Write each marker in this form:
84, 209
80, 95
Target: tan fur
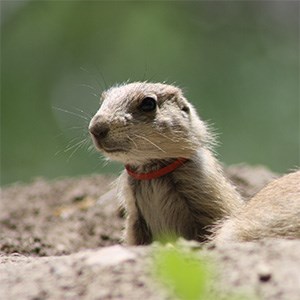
185, 202
273, 212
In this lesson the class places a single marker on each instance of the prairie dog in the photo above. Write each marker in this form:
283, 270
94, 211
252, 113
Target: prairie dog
173, 185
272, 212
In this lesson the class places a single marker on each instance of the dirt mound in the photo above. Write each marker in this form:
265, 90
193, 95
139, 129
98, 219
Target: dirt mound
61, 240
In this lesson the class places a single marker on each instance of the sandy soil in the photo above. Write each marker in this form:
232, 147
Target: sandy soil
62, 240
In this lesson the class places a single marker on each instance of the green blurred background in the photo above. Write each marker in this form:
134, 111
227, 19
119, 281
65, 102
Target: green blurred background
238, 62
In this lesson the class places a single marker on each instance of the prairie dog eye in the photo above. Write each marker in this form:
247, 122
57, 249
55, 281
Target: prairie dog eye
148, 104
185, 109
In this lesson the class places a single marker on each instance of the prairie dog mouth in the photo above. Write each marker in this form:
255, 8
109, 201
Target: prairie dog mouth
113, 149
101, 146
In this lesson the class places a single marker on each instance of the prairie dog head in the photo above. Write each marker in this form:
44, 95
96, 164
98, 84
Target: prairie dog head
139, 122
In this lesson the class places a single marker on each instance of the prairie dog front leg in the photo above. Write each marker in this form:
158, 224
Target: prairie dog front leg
136, 229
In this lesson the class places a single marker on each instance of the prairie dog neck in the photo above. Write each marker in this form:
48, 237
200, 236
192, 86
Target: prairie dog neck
148, 125
199, 184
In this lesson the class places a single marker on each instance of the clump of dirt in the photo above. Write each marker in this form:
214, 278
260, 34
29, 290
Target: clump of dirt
59, 217
62, 240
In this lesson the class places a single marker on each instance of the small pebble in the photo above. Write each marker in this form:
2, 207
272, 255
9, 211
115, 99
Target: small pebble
264, 273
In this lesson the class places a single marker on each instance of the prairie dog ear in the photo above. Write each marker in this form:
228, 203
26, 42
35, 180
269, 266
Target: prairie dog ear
175, 90
177, 94
183, 104
170, 91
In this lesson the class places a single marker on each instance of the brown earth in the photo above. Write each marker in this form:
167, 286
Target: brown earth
62, 240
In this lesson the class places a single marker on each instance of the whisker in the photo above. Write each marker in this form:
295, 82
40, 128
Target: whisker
92, 77
97, 92
91, 148
78, 127
57, 152
102, 77
132, 141
95, 95
146, 139
88, 86
167, 137
83, 112
69, 147
77, 148
71, 113
78, 143
71, 142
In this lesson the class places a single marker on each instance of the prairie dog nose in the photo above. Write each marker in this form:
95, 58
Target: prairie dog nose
99, 130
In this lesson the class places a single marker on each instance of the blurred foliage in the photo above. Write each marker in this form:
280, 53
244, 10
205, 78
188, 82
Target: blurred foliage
187, 276
238, 62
